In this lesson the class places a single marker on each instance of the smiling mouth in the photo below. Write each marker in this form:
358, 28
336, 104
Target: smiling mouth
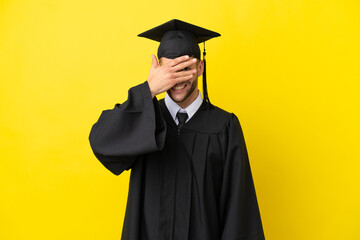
180, 86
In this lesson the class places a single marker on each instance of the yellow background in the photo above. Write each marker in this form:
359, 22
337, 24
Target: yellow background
289, 69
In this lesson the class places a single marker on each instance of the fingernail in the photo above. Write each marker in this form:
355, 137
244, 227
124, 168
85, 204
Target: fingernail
195, 59
186, 56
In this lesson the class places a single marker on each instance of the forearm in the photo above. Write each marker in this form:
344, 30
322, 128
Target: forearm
131, 129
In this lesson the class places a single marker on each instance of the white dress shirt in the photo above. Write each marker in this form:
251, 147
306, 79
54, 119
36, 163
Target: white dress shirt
173, 107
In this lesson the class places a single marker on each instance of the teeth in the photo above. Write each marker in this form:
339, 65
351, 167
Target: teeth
179, 87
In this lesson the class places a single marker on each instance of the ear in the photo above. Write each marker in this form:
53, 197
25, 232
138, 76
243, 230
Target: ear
200, 68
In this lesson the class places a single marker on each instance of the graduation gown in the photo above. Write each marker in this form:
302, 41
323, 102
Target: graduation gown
188, 184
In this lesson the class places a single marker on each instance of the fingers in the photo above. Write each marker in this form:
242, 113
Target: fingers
154, 62
184, 73
180, 63
183, 76
178, 60
183, 79
183, 65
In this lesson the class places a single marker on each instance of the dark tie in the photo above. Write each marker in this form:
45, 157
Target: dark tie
182, 118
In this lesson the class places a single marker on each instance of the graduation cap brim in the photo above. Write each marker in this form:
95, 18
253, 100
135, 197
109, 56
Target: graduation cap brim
201, 34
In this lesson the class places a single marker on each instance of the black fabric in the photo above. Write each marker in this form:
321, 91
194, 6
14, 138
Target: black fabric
188, 185
182, 117
178, 38
176, 43
201, 34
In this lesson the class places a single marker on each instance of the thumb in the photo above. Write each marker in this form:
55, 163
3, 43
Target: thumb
154, 62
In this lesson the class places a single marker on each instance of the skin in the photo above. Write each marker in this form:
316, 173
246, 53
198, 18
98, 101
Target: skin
178, 77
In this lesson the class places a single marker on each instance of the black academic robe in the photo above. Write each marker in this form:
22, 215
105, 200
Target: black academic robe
192, 184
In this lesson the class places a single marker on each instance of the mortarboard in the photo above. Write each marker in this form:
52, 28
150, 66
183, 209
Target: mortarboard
179, 38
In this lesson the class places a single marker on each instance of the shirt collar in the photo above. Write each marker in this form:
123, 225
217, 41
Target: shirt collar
173, 107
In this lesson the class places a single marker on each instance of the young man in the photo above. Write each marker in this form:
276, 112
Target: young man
190, 173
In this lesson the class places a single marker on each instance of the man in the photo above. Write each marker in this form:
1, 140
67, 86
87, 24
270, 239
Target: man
190, 177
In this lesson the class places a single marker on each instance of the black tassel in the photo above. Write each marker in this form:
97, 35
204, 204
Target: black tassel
206, 96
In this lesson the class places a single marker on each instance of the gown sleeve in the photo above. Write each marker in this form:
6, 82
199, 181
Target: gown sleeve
239, 212
123, 134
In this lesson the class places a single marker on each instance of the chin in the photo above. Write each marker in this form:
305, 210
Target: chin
177, 98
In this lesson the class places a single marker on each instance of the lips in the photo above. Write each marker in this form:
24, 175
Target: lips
179, 86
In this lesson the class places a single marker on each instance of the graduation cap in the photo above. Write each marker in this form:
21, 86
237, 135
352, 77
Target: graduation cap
179, 38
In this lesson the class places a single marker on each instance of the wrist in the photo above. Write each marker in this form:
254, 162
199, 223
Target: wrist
152, 92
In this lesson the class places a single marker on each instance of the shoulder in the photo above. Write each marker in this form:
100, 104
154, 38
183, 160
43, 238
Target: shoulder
218, 114
213, 119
